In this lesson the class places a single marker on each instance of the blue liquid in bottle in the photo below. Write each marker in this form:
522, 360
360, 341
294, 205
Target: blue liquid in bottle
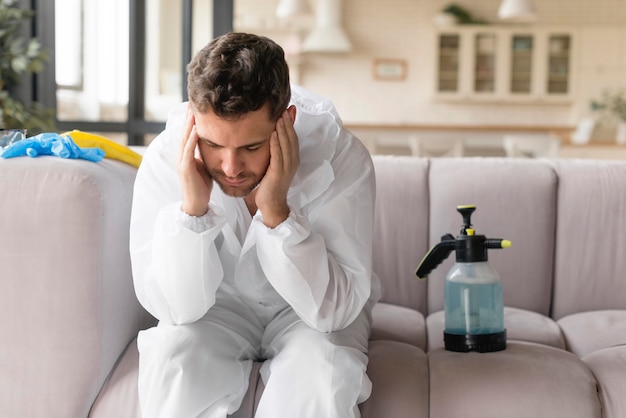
473, 300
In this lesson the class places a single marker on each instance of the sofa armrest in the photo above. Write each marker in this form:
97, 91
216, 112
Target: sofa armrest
66, 292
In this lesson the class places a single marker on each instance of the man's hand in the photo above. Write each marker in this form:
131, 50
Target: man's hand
271, 196
195, 180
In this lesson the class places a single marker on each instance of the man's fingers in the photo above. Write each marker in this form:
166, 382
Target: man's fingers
188, 152
288, 142
276, 154
187, 134
291, 150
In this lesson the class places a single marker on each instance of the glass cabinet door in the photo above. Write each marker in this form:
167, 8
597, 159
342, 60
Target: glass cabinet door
559, 52
485, 63
505, 64
449, 50
521, 63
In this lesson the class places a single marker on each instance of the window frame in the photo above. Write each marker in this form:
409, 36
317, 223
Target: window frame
43, 88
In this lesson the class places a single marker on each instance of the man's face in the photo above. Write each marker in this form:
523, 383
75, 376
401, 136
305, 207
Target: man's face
236, 153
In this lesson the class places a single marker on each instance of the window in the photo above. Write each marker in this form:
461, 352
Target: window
91, 65
119, 66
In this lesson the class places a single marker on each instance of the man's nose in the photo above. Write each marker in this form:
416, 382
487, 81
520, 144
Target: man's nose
232, 165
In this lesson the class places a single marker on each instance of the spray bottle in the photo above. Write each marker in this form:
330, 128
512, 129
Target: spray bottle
473, 306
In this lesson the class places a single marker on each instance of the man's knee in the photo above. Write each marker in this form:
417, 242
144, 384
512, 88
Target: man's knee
167, 342
187, 369
308, 348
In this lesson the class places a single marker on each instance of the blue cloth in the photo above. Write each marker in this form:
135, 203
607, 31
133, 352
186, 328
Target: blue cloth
49, 143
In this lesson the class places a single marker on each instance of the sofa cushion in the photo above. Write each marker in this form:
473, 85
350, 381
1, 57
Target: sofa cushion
119, 396
589, 261
525, 380
609, 368
398, 323
587, 332
521, 325
515, 199
399, 374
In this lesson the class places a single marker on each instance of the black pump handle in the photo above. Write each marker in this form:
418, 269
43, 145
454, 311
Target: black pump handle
435, 256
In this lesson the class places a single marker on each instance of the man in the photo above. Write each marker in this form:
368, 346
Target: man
251, 240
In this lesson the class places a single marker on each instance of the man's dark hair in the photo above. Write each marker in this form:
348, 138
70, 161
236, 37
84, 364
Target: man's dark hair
239, 73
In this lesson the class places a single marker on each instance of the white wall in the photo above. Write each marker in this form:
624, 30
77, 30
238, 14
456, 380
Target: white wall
404, 29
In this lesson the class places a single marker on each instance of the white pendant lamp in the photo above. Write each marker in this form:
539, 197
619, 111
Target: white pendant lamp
517, 10
327, 35
290, 8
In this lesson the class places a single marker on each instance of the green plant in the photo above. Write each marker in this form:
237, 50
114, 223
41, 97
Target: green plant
463, 17
19, 55
611, 102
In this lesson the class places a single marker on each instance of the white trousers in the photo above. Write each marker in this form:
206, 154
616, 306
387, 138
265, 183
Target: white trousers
202, 369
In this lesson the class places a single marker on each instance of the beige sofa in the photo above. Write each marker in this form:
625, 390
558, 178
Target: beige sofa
69, 315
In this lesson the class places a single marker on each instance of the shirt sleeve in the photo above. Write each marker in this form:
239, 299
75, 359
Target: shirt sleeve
320, 260
184, 270
175, 261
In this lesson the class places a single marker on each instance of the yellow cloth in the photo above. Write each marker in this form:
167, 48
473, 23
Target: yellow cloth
112, 149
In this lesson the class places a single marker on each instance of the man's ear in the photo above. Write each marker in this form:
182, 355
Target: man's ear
292, 112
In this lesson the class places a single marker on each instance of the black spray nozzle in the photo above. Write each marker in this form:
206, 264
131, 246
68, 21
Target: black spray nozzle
468, 246
466, 212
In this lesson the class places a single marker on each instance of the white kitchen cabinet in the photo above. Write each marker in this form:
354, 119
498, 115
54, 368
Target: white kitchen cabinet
489, 63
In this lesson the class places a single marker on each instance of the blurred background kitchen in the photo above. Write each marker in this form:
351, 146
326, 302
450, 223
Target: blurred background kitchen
422, 77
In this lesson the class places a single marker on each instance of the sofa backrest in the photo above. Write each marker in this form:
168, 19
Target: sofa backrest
590, 268
515, 199
416, 205
401, 228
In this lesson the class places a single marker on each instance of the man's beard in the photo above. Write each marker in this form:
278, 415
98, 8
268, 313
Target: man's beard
250, 182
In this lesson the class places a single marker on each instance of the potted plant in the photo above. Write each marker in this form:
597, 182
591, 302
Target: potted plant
454, 14
19, 55
612, 103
